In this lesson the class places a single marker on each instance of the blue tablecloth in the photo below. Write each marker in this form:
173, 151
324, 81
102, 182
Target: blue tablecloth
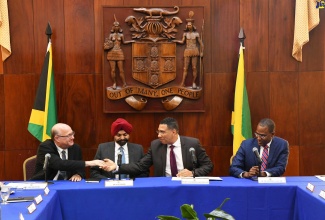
150, 197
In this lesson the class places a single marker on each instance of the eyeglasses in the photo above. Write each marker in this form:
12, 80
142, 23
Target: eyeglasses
68, 136
262, 136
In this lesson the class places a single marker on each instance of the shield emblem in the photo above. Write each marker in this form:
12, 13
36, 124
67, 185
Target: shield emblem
154, 63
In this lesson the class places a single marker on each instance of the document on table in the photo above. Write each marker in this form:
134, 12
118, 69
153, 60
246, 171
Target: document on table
321, 177
28, 185
211, 178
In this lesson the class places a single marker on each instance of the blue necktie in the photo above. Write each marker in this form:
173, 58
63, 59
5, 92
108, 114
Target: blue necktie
123, 176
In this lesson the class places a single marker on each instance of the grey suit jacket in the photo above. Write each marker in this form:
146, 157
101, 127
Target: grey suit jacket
157, 156
107, 150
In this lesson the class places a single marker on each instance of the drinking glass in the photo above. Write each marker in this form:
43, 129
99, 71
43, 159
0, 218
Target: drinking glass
5, 192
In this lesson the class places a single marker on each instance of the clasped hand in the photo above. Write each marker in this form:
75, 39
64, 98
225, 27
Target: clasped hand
109, 165
254, 171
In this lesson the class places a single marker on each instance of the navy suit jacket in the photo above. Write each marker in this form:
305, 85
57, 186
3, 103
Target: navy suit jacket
245, 158
74, 164
157, 156
107, 150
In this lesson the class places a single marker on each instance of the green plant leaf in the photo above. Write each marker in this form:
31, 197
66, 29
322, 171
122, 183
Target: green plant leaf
217, 213
166, 217
188, 212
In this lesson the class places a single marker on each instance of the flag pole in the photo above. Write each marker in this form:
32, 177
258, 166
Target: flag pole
241, 36
48, 32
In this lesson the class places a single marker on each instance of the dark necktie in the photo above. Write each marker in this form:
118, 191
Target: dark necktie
173, 165
63, 174
265, 155
123, 176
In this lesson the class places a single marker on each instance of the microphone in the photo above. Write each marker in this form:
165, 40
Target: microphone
257, 155
46, 160
119, 158
192, 151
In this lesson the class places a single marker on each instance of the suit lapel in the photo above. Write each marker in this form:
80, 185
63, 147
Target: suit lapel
185, 154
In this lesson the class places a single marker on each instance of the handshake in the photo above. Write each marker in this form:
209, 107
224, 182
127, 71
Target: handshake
106, 164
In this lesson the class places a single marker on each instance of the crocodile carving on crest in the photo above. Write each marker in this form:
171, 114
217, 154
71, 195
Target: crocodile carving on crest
157, 11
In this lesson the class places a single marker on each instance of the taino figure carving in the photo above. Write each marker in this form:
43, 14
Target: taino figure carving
191, 52
115, 54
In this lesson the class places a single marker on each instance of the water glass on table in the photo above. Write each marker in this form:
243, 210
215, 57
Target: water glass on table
5, 193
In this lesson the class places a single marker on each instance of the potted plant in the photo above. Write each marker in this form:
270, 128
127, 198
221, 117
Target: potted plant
189, 213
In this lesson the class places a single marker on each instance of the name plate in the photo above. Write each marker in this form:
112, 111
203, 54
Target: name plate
46, 190
310, 187
38, 199
113, 183
272, 180
31, 208
195, 181
322, 194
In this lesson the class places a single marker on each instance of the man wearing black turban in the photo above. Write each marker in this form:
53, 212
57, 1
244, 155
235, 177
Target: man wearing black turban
120, 130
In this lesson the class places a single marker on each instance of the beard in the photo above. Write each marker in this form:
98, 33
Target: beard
122, 142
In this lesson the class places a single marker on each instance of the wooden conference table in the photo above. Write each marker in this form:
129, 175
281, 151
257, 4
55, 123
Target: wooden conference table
150, 197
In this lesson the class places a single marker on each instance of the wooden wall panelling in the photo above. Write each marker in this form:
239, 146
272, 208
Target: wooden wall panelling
206, 138
18, 103
224, 32
313, 52
144, 129
312, 160
220, 156
1, 64
52, 12
80, 107
281, 29
258, 89
79, 36
2, 113
284, 103
14, 160
293, 161
222, 101
254, 19
2, 164
21, 38
311, 109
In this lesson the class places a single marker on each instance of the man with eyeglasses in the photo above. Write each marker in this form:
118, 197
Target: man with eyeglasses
273, 152
65, 162
129, 152
168, 151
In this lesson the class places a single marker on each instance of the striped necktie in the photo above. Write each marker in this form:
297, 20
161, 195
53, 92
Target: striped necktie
265, 155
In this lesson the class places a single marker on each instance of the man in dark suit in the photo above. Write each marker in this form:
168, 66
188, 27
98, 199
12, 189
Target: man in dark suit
120, 130
161, 153
245, 164
68, 165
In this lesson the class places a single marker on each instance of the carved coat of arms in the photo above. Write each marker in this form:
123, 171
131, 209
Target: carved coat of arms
154, 59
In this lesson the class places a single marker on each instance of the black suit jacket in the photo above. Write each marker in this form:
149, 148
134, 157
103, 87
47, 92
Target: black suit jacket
107, 150
157, 156
74, 164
